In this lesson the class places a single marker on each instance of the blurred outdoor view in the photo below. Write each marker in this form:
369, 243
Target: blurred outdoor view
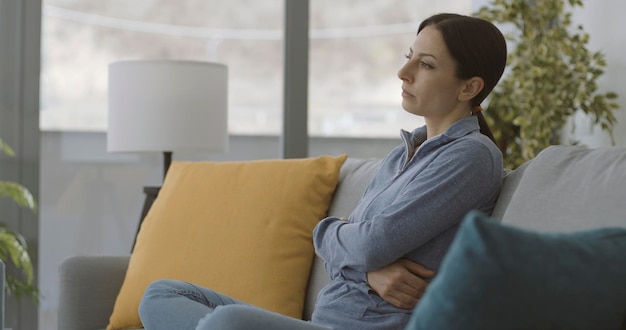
356, 48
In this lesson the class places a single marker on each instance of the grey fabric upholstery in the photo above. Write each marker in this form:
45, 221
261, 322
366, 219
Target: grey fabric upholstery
353, 178
88, 288
570, 189
564, 189
510, 181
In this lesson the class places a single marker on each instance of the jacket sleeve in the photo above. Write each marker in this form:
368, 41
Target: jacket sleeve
458, 180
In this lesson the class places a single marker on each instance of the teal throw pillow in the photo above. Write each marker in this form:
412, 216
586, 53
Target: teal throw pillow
500, 277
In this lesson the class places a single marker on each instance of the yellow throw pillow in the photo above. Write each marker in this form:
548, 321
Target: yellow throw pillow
240, 228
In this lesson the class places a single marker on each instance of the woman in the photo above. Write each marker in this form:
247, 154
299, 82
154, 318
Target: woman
381, 258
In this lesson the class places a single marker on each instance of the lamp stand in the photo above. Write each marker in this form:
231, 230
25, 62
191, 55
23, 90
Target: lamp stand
151, 195
167, 161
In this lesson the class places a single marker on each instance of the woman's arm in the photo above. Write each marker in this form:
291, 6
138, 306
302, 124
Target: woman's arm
460, 179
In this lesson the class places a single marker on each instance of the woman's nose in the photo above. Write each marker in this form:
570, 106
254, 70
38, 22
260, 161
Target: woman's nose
403, 74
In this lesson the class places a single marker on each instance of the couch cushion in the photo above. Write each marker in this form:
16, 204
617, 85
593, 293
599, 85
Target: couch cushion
569, 188
510, 180
241, 228
501, 277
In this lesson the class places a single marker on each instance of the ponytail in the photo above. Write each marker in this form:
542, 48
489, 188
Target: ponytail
484, 127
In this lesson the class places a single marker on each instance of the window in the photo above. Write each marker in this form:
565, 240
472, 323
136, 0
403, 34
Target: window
356, 49
80, 39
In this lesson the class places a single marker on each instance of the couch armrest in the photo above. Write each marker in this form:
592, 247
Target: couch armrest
88, 288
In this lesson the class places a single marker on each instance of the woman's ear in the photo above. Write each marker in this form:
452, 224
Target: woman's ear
472, 87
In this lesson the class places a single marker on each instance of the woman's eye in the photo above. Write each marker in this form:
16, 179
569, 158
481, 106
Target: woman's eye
408, 56
426, 65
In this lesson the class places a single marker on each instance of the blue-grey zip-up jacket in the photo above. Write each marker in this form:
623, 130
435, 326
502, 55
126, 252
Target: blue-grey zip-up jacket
411, 209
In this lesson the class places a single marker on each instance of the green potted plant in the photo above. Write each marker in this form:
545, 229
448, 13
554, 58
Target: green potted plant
13, 247
551, 74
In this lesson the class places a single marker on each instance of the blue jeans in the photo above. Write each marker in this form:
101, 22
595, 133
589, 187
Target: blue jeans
171, 304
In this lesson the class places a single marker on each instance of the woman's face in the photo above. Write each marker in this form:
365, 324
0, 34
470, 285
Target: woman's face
430, 87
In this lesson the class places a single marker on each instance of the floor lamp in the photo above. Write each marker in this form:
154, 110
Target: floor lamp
166, 106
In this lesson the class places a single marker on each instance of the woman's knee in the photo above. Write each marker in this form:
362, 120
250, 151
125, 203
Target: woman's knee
166, 285
161, 288
157, 291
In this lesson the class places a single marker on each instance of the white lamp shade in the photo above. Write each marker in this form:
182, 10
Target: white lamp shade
166, 105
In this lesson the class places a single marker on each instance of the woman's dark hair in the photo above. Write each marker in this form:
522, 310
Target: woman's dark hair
479, 49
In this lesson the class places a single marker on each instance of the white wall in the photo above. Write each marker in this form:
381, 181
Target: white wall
604, 21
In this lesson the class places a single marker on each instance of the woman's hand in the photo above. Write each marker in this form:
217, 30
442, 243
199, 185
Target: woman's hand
401, 283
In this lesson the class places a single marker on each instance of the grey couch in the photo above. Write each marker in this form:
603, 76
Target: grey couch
563, 189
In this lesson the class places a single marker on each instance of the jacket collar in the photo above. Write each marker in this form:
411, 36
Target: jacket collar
457, 130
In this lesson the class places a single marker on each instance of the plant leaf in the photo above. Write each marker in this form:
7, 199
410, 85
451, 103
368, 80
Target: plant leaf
18, 193
6, 149
543, 86
13, 248
19, 288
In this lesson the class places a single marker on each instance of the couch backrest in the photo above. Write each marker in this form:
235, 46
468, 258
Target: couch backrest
354, 176
509, 183
567, 188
